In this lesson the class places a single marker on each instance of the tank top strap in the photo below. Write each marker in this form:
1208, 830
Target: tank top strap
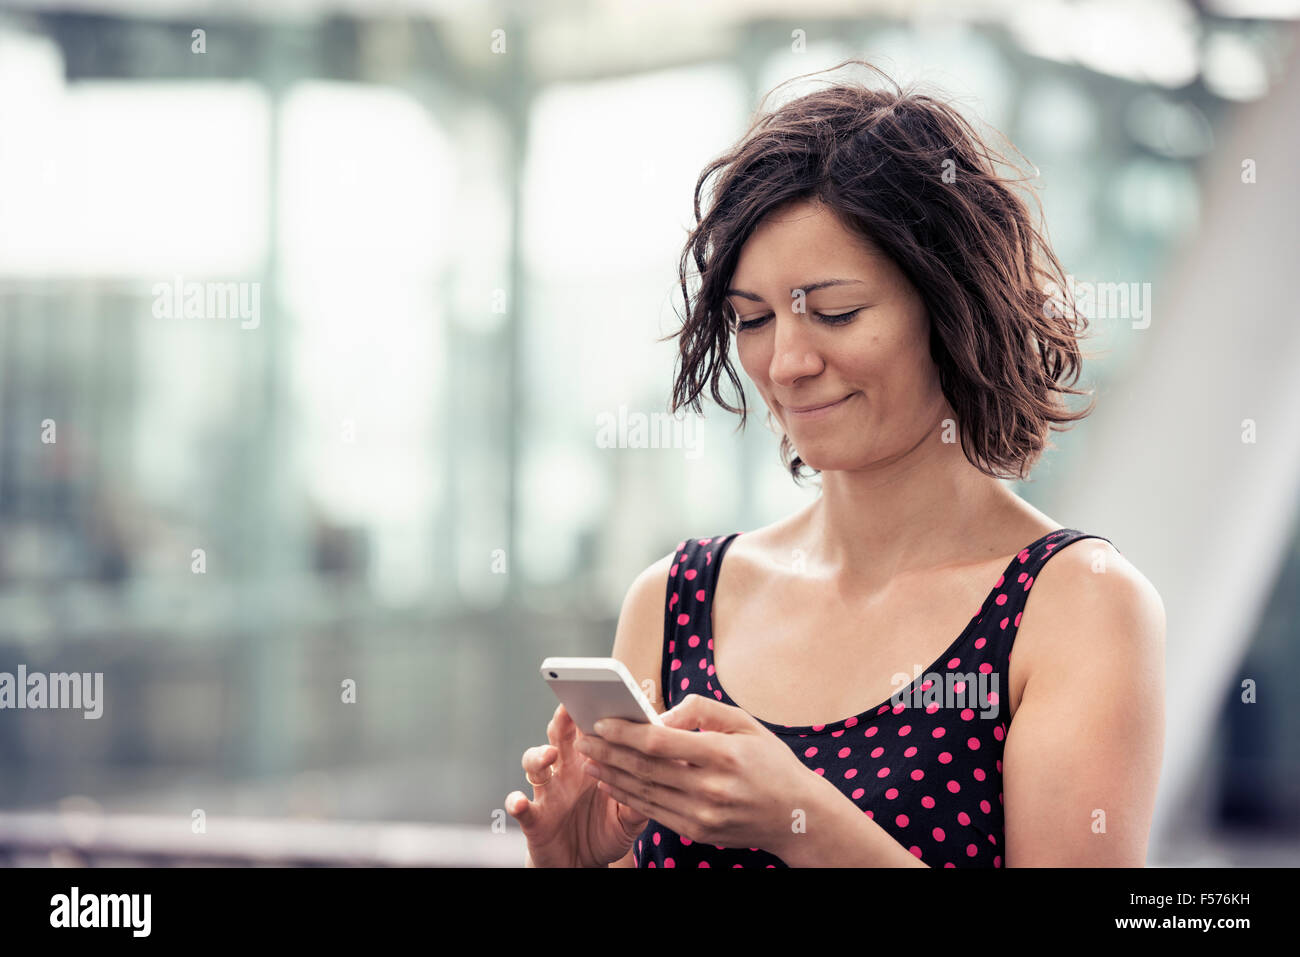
998, 620
690, 583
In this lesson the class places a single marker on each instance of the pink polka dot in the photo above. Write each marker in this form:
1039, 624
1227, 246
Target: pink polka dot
699, 595
901, 820
937, 733
675, 665
967, 714
857, 793
979, 642
690, 574
821, 771
704, 863
954, 787
916, 851
950, 864
927, 801
669, 862
870, 732
883, 772
686, 683
851, 773
851, 722
973, 743
683, 619
877, 752
891, 793
904, 730
917, 774
693, 640
1000, 600
687, 841
818, 727
985, 668
810, 752
979, 774
997, 861
944, 757
953, 663
997, 732
938, 833
971, 850
845, 752
655, 839
985, 807
963, 818
909, 752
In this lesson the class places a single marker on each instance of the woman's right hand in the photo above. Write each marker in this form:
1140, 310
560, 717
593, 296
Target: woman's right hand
570, 822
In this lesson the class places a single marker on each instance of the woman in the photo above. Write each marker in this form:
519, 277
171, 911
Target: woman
904, 321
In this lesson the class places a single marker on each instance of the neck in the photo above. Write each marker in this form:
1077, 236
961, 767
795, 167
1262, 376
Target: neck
920, 510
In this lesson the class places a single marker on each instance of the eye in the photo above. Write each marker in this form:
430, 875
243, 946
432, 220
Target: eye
837, 319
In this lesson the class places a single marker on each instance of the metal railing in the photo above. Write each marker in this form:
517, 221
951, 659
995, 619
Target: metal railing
32, 839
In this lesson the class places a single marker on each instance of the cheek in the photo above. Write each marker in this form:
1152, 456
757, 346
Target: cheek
753, 359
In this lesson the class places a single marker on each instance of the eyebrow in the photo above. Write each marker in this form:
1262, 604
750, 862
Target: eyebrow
811, 287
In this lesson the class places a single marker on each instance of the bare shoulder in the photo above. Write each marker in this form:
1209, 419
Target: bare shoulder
638, 640
1090, 603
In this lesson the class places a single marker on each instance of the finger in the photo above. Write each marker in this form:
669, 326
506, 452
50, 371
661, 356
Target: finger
660, 742
536, 760
657, 781
629, 765
563, 732
521, 809
645, 808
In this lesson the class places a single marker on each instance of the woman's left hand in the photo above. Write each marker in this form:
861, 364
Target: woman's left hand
735, 785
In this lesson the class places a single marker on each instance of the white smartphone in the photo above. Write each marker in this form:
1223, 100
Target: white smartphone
595, 688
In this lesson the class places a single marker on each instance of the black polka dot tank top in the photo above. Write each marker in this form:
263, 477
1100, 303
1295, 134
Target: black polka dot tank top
926, 764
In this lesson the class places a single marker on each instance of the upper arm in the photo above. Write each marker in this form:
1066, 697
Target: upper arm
1082, 756
639, 638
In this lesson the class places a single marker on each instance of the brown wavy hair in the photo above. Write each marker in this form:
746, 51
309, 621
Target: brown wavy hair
907, 171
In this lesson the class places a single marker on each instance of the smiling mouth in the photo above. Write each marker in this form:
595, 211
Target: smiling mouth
820, 409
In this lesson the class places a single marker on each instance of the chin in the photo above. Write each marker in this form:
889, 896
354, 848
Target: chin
827, 460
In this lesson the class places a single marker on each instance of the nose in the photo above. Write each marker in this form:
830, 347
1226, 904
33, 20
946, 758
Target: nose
793, 350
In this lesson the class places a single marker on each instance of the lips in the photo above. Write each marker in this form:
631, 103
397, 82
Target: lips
815, 407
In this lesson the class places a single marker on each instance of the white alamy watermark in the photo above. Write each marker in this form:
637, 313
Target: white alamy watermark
652, 430
978, 692
76, 909
62, 690
1102, 300
179, 299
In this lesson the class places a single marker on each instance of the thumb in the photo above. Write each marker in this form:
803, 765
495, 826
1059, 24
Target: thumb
707, 714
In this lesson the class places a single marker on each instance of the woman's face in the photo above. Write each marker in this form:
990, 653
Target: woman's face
857, 336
